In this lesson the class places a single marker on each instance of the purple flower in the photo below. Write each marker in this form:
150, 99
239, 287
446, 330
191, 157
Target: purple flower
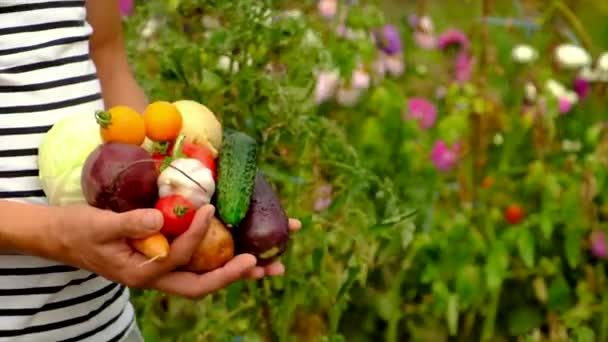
598, 244
444, 157
453, 37
389, 40
463, 67
423, 111
581, 87
126, 7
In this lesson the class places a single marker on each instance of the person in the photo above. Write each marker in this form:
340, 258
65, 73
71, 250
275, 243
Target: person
65, 271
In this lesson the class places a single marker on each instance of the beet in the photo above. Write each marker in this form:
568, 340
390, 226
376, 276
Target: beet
264, 232
119, 177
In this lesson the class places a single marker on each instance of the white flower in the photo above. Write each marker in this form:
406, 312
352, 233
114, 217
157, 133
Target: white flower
311, 39
602, 62
602, 67
394, 65
555, 88
530, 91
348, 96
294, 13
426, 24
572, 57
224, 63
210, 22
150, 28
524, 53
588, 74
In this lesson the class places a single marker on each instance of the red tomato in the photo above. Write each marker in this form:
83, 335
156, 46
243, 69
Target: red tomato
203, 154
178, 213
514, 214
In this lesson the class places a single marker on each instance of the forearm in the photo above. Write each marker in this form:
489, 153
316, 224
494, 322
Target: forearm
26, 228
118, 85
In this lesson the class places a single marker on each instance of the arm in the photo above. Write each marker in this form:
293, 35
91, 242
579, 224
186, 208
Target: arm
26, 236
118, 84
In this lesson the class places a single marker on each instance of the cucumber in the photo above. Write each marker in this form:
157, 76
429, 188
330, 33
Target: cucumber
237, 167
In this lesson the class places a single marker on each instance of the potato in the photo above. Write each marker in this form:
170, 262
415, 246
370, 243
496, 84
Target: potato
215, 250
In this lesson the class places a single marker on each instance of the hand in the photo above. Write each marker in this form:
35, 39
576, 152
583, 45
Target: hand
97, 240
242, 266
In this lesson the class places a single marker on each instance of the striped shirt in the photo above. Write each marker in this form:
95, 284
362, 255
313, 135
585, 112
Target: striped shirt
46, 74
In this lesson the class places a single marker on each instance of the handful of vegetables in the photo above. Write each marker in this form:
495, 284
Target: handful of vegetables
174, 157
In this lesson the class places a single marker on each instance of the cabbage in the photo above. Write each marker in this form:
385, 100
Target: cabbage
61, 155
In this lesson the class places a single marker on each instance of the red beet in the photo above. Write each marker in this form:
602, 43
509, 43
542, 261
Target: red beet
119, 177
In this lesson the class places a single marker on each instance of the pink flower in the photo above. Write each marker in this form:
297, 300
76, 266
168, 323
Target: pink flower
453, 37
444, 157
423, 32
126, 7
598, 244
463, 67
423, 111
565, 104
328, 8
425, 40
327, 83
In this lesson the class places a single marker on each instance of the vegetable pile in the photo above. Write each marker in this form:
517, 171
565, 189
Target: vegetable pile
175, 157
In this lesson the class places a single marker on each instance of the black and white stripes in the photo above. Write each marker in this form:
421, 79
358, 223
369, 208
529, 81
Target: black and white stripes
46, 74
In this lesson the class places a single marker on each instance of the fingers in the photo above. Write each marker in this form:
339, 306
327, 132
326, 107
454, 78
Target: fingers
182, 249
134, 224
192, 285
274, 269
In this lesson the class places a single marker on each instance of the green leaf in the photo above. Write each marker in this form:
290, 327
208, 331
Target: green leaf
497, 265
584, 334
452, 314
317, 258
523, 319
526, 247
560, 295
573, 246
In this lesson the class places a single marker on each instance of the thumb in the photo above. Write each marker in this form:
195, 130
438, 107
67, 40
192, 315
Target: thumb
184, 246
134, 224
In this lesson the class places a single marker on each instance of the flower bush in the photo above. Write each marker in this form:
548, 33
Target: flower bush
449, 178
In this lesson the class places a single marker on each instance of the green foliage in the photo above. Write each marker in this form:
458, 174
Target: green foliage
402, 251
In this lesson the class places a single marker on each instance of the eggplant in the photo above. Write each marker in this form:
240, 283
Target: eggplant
264, 232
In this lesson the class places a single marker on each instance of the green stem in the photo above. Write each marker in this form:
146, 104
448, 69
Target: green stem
490, 319
576, 24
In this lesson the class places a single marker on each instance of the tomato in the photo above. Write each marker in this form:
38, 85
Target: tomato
514, 214
203, 154
163, 121
487, 182
178, 213
121, 124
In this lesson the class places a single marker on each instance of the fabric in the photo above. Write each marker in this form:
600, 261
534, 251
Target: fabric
45, 75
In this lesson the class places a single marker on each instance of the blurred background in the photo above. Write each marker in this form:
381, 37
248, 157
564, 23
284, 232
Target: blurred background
448, 160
